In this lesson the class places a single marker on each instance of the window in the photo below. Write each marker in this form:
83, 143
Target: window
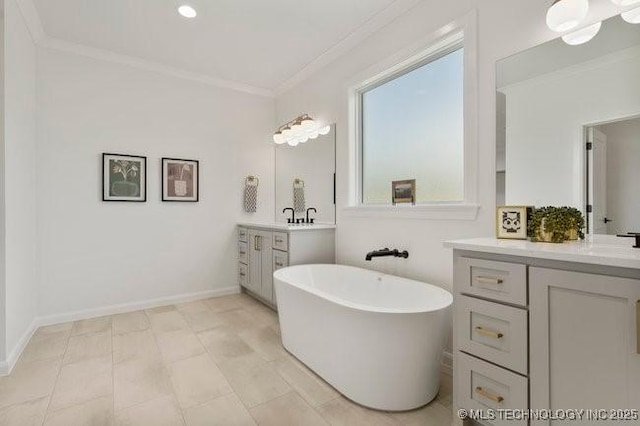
412, 127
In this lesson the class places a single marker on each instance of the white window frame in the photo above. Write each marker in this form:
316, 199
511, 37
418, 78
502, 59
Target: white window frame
461, 33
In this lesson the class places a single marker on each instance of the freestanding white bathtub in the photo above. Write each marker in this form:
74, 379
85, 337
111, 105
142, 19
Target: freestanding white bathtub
376, 338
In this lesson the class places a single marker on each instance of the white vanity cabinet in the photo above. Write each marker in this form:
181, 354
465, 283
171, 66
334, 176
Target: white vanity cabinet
585, 341
263, 249
542, 326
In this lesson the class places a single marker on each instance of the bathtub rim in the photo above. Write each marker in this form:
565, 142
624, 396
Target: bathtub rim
277, 275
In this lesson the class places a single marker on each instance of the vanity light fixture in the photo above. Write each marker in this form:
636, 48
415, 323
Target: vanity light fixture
632, 16
187, 11
299, 130
565, 15
582, 35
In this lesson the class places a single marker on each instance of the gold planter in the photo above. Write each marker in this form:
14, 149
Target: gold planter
572, 235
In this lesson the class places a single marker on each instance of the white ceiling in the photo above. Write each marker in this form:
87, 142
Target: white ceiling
260, 43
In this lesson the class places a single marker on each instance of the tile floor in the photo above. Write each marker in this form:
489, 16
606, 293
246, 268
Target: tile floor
211, 362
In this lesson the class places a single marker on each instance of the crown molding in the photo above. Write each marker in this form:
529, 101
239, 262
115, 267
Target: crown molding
32, 19
108, 56
34, 24
375, 23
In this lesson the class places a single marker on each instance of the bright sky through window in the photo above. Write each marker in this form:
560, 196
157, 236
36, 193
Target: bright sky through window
413, 128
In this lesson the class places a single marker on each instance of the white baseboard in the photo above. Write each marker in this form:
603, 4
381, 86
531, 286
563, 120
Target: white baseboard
134, 306
446, 364
7, 366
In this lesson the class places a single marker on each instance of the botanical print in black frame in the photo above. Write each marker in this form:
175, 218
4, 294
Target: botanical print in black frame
124, 177
180, 180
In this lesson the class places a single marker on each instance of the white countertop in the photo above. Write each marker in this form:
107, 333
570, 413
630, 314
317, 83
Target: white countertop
606, 250
287, 227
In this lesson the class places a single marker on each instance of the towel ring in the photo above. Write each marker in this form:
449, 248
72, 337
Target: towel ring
250, 179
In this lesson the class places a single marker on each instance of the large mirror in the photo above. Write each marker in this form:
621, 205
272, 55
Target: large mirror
305, 178
568, 127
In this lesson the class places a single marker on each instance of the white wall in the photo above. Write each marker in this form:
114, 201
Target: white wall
504, 27
20, 177
96, 254
545, 126
623, 172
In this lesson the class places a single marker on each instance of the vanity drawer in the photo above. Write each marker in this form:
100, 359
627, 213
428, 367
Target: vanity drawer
243, 235
280, 260
495, 332
243, 252
501, 281
280, 241
484, 386
243, 274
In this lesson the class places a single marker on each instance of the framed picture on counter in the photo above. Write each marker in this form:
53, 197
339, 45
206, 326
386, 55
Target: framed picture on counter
512, 222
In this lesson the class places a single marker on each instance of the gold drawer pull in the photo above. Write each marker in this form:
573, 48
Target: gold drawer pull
279, 265
279, 240
242, 274
489, 395
638, 326
489, 280
242, 253
489, 333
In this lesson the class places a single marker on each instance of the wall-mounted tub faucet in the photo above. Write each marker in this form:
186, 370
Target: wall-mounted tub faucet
292, 219
386, 252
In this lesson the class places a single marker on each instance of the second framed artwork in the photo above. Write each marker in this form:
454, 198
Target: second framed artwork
180, 180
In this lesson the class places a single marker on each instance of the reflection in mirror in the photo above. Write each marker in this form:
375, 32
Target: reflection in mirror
305, 177
613, 161
553, 102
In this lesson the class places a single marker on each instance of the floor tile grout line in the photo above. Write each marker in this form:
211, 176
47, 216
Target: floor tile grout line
166, 367
55, 383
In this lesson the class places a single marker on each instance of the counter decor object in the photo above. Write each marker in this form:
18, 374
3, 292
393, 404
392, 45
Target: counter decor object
512, 221
556, 224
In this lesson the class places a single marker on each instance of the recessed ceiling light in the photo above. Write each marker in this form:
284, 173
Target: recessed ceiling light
187, 11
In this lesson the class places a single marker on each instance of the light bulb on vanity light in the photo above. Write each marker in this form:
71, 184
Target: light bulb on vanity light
583, 35
278, 138
308, 123
565, 15
293, 142
325, 130
296, 128
632, 16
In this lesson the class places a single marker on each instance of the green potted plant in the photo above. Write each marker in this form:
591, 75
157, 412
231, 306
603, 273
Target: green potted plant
576, 219
556, 224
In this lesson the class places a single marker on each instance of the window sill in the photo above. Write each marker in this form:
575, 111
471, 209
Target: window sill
421, 212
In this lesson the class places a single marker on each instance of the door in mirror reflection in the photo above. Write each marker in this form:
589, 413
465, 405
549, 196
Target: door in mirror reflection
613, 175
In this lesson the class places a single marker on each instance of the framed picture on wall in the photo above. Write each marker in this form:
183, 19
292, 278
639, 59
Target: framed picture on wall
124, 178
512, 222
403, 191
180, 180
